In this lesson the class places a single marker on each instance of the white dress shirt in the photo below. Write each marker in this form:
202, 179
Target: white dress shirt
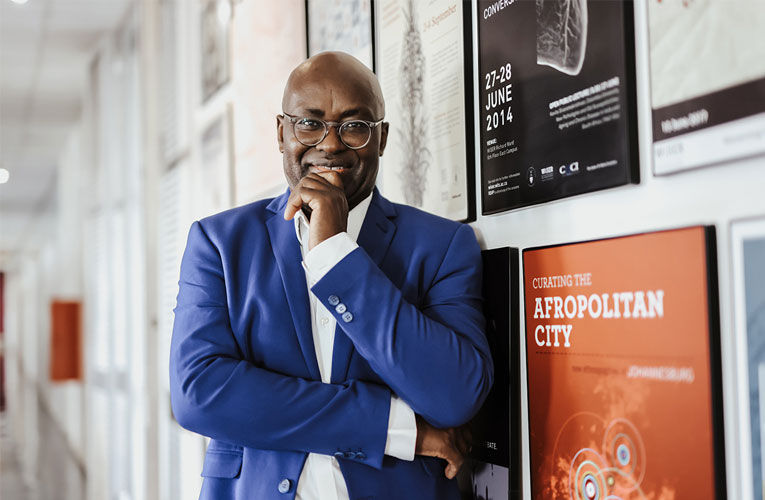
321, 478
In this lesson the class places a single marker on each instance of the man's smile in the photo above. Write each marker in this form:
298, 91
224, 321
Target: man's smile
327, 167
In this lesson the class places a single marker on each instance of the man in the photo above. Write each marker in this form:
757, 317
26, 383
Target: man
329, 341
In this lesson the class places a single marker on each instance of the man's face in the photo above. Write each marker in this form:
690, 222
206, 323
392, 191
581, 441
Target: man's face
332, 99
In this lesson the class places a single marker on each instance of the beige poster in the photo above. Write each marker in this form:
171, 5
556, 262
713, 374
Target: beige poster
267, 45
420, 63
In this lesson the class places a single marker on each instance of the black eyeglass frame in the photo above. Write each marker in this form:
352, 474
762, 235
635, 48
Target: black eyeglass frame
339, 125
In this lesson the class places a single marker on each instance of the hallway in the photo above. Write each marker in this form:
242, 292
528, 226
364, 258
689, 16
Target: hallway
53, 473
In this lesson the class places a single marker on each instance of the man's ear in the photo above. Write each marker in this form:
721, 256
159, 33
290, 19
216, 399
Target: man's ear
280, 132
383, 136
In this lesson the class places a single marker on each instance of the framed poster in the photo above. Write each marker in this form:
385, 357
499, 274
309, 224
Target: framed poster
557, 108
345, 25
623, 368
215, 180
214, 43
258, 164
707, 82
424, 63
495, 460
748, 242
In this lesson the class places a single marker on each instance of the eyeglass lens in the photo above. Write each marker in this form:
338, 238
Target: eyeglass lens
354, 133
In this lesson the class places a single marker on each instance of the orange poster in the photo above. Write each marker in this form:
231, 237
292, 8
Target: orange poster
622, 343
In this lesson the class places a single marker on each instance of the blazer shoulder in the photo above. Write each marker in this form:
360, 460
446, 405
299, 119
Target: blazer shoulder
234, 222
425, 224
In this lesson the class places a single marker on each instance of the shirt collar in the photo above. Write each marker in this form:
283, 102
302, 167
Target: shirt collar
355, 220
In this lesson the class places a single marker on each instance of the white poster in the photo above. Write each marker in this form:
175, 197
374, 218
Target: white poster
421, 65
344, 25
707, 81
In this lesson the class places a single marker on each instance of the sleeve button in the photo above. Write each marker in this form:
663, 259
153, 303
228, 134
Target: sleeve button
347, 317
340, 308
333, 300
285, 486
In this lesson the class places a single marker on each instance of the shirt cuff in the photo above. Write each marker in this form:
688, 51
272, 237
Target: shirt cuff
327, 254
402, 430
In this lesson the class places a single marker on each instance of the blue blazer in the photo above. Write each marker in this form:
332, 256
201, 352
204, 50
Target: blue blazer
243, 369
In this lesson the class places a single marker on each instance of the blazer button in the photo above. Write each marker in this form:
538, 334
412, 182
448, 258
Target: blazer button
360, 455
339, 454
285, 485
333, 300
341, 308
350, 454
347, 316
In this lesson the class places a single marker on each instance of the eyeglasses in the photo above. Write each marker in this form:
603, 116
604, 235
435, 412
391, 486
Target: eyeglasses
311, 131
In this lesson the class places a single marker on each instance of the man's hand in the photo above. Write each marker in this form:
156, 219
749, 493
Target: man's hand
450, 444
323, 194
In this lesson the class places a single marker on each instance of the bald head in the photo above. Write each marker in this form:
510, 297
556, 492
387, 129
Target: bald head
331, 72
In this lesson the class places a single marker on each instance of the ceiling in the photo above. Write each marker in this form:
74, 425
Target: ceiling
45, 49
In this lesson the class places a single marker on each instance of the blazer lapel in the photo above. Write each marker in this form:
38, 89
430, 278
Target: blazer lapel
286, 249
375, 238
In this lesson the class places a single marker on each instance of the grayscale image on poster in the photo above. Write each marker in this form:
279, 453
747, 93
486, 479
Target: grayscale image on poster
557, 99
422, 55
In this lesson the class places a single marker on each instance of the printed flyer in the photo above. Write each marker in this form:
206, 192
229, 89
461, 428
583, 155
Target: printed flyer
557, 105
424, 63
623, 360
707, 81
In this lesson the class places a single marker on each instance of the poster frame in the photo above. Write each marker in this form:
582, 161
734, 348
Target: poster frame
223, 35
714, 338
631, 110
372, 40
739, 231
469, 122
511, 258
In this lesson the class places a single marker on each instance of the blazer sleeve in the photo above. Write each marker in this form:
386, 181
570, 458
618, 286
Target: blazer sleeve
434, 355
216, 392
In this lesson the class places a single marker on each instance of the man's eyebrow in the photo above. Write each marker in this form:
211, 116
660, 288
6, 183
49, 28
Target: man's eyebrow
345, 114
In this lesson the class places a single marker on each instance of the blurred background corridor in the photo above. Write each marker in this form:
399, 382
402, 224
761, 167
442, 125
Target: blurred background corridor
123, 121
109, 126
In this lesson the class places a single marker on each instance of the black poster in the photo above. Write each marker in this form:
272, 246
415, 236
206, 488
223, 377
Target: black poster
494, 465
557, 90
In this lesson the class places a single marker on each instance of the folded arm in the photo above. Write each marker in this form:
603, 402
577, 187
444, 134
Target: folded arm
215, 392
434, 355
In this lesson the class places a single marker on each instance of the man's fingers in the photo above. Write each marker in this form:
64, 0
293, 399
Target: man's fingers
463, 442
454, 465
308, 188
453, 454
294, 203
333, 178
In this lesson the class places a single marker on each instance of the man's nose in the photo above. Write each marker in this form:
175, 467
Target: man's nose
332, 142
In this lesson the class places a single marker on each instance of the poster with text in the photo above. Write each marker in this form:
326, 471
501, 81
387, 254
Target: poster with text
557, 106
494, 468
748, 240
345, 25
623, 368
424, 61
707, 81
